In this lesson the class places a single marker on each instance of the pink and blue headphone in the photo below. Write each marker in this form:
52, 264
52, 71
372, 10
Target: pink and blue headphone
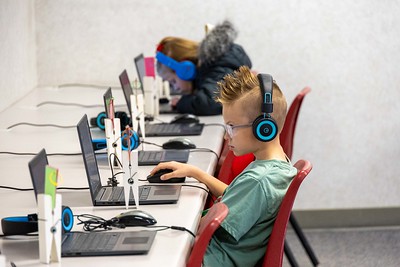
185, 70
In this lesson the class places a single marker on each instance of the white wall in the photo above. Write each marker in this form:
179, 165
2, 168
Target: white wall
17, 50
347, 51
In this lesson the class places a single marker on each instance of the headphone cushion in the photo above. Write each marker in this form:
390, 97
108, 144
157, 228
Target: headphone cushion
186, 70
99, 120
22, 225
123, 118
264, 129
135, 142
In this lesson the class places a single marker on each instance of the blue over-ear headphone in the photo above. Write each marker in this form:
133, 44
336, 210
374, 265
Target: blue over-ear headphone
185, 70
22, 225
102, 143
264, 126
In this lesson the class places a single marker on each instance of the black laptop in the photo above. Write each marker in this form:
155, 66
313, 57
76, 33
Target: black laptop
150, 157
76, 244
141, 72
173, 129
159, 129
114, 195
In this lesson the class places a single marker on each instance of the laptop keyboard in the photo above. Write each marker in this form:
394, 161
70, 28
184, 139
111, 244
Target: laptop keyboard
117, 193
91, 241
152, 156
164, 128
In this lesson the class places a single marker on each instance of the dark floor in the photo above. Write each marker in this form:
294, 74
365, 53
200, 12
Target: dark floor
364, 247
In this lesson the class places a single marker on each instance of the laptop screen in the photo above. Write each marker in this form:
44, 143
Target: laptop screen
89, 158
37, 168
107, 98
140, 69
126, 88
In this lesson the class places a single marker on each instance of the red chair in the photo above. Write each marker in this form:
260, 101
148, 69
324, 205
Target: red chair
287, 133
275, 248
208, 225
287, 139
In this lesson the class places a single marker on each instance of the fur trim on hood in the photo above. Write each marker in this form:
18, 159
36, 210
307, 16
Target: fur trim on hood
217, 42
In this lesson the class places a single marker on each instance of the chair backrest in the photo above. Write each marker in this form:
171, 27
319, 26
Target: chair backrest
208, 225
275, 249
289, 127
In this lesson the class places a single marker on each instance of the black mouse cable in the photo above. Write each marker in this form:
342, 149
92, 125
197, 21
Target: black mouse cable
196, 186
204, 149
215, 124
150, 143
173, 227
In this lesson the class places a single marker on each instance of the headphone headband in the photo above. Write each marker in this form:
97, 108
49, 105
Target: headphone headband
264, 126
185, 70
266, 86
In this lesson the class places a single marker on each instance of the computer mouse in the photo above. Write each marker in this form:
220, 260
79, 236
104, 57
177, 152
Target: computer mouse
185, 118
136, 218
155, 178
179, 143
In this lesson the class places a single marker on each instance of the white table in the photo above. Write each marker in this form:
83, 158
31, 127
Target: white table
170, 247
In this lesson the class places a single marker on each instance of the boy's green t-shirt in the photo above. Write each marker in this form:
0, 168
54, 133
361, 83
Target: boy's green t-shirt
253, 199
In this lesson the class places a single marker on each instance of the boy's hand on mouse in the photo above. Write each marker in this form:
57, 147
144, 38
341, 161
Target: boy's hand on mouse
179, 169
174, 101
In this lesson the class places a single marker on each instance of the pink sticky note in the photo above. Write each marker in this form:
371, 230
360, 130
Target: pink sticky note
149, 66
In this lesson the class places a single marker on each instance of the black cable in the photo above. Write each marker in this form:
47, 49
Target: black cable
68, 104
190, 185
15, 188
215, 124
41, 125
46, 125
30, 189
96, 223
94, 86
180, 228
158, 119
112, 181
150, 143
173, 227
49, 154
204, 149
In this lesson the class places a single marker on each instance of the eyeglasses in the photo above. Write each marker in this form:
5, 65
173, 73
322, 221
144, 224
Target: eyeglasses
229, 128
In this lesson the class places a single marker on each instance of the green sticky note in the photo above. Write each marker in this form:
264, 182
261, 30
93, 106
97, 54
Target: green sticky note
50, 184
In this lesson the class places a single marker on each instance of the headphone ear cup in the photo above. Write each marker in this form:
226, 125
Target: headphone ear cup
99, 121
67, 219
20, 225
123, 118
135, 142
264, 129
186, 70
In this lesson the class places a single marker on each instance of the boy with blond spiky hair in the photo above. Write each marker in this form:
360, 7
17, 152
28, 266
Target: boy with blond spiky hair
254, 111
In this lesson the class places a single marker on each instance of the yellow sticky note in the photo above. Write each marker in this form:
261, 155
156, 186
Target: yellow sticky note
50, 185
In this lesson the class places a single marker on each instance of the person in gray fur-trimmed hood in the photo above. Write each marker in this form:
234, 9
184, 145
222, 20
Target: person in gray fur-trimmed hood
194, 69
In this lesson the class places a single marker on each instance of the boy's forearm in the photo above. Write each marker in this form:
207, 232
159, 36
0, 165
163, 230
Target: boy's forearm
215, 186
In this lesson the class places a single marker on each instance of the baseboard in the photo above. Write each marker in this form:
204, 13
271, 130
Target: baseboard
338, 218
